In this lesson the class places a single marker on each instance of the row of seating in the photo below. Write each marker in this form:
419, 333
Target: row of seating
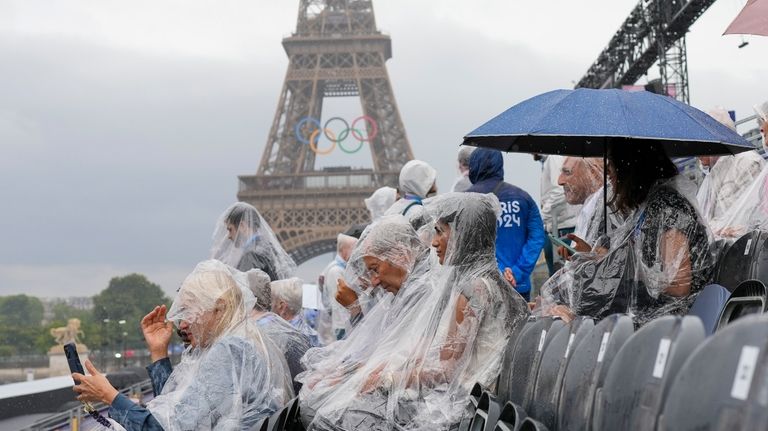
669, 375
744, 259
286, 419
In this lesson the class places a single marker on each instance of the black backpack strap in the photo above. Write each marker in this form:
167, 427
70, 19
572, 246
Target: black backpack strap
405, 211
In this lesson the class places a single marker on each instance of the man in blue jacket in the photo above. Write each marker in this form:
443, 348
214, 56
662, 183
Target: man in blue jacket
519, 229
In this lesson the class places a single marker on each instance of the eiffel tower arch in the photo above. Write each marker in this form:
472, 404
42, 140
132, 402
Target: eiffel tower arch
336, 51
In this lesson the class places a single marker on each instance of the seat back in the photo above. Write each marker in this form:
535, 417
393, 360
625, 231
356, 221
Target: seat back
525, 365
504, 386
278, 419
737, 261
708, 305
510, 418
552, 370
586, 371
749, 298
487, 413
261, 425
722, 385
530, 424
641, 374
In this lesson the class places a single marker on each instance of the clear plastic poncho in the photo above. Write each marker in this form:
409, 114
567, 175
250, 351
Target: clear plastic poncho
416, 180
243, 240
232, 375
380, 201
425, 349
336, 374
654, 264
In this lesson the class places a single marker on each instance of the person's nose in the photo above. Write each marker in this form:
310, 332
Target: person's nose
561, 180
183, 325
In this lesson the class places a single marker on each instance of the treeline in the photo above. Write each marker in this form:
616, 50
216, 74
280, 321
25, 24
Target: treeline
125, 299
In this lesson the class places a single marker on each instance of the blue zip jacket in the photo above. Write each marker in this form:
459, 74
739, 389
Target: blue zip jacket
519, 230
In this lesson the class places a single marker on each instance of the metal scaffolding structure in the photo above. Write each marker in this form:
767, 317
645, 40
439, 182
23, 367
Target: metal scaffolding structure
653, 32
336, 51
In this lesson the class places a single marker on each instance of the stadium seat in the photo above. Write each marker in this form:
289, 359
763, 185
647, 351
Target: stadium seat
511, 418
487, 413
530, 424
723, 384
278, 419
554, 361
587, 369
748, 298
525, 365
641, 373
708, 305
736, 263
504, 385
261, 425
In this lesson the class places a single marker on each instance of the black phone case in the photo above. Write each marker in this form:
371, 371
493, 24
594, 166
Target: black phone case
73, 359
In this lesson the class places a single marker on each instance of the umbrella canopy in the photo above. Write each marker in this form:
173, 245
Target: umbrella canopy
753, 19
582, 122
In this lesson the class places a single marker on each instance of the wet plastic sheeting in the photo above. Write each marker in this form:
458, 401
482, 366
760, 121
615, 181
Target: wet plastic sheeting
528, 356
510, 418
723, 385
505, 388
642, 372
736, 264
587, 369
552, 370
748, 298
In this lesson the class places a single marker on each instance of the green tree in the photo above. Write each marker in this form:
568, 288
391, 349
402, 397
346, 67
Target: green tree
20, 324
126, 298
21, 310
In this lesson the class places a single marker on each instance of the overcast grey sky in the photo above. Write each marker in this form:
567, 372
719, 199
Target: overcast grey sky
123, 125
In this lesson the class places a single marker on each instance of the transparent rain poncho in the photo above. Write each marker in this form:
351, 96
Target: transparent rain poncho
416, 180
425, 349
289, 340
582, 181
652, 265
231, 376
747, 213
380, 201
243, 240
335, 374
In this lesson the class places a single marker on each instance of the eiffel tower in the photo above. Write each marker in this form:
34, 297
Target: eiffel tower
336, 51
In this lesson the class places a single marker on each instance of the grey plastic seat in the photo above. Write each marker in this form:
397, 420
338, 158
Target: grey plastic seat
528, 352
504, 385
587, 369
736, 263
530, 424
723, 385
708, 305
749, 298
487, 413
642, 372
261, 425
511, 418
554, 362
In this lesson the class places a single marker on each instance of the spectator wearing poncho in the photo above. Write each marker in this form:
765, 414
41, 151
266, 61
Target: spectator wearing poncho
416, 183
729, 178
229, 378
655, 263
243, 240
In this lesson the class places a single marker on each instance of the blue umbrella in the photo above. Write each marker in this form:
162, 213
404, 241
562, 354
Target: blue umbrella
584, 121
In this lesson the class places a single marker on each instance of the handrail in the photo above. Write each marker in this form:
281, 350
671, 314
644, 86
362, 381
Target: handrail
66, 418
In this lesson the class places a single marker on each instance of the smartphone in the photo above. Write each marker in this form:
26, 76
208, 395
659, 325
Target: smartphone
560, 242
73, 359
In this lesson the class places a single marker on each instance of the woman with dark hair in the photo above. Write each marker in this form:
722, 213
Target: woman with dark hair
656, 262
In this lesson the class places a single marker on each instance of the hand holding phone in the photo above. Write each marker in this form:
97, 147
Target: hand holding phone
561, 243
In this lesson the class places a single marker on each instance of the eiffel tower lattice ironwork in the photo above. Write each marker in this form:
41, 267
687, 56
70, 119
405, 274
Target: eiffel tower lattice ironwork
336, 51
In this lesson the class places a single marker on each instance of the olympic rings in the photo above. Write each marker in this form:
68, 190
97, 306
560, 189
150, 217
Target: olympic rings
371, 128
313, 143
